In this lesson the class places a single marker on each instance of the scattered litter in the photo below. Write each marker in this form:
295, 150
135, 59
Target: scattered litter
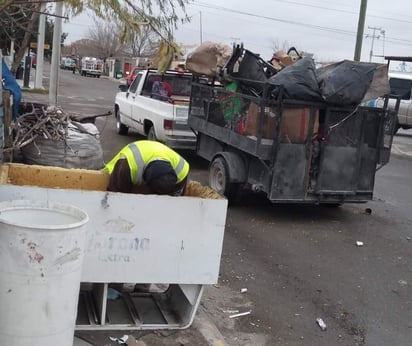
231, 311
403, 282
408, 238
240, 314
112, 294
120, 341
321, 324
368, 211
359, 243
243, 290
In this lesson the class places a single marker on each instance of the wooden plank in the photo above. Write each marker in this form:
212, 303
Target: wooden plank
4, 173
56, 177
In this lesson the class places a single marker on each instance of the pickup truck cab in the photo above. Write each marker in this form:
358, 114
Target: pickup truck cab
156, 105
401, 86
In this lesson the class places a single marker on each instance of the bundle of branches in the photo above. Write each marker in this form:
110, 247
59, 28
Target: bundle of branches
39, 121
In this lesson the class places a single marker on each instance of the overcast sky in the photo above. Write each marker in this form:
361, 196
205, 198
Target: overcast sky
325, 28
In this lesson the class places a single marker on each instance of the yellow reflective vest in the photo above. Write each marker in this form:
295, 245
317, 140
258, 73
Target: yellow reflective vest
140, 153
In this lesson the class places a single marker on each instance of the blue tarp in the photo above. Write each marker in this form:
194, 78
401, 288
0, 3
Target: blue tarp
10, 84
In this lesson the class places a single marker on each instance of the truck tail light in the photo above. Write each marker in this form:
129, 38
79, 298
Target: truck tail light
168, 124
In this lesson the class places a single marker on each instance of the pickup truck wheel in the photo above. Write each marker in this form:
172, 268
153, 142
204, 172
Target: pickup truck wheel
121, 128
151, 135
396, 126
219, 180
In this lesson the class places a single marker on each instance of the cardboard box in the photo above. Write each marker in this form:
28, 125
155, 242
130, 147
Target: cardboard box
252, 122
294, 126
295, 122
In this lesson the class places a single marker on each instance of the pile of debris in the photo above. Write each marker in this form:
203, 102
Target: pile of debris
291, 75
49, 136
250, 90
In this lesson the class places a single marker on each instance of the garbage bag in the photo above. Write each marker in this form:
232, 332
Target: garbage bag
298, 80
346, 82
380, 83
79, 150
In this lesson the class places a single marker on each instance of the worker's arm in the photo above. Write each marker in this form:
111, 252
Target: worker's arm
120, 179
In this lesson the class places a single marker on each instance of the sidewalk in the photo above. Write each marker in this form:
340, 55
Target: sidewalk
203, 332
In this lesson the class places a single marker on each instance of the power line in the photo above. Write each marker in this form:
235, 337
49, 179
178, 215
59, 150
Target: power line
373, 39
317, 27
343, 11
220, 8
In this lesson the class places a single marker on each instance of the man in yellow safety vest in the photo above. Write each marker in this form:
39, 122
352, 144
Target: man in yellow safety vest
147, 167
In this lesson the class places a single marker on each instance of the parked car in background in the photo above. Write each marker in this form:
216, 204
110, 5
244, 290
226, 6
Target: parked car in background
33, 60
90, 66
401, 86
66, 64
132, 75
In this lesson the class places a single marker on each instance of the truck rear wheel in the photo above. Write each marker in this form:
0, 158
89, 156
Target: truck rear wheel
151, 135
120, 128
219, 180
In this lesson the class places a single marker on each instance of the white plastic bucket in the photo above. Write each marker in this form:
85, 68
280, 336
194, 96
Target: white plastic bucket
41, 253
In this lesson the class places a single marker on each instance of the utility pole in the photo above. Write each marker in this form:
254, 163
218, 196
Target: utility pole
373, 39
54, 70
38, 84
201, 29
383, 32
361, 26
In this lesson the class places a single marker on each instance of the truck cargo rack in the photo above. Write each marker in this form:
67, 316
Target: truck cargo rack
293, 151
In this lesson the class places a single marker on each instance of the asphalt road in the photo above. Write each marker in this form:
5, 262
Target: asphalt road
297, 263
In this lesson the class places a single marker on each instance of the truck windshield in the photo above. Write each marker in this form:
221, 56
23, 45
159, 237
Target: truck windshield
401, 87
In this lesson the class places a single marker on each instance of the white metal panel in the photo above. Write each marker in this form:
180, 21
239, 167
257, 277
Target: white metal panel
143, 238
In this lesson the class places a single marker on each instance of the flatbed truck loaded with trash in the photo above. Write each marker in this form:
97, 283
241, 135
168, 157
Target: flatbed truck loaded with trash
297, 134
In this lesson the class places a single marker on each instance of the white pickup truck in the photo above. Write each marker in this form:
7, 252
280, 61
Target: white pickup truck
156, 105
401, 86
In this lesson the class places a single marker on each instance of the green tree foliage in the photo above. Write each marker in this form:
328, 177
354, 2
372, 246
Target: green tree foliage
162, 16
19, 23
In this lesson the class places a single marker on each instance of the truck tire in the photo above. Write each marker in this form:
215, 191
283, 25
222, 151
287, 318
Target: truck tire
396, 126
151, 135
120, 128
219, 180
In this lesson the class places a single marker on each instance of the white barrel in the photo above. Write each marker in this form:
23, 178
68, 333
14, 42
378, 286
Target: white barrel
41, 255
